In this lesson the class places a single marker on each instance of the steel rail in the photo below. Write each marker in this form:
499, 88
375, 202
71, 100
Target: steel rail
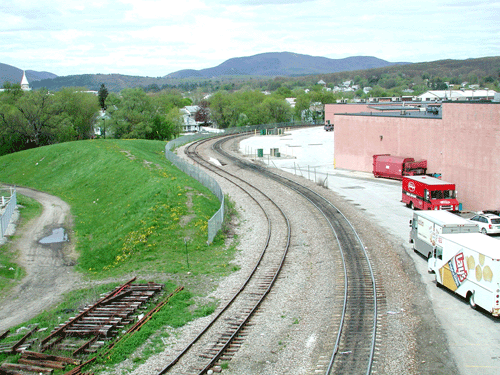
195, 156
298, 187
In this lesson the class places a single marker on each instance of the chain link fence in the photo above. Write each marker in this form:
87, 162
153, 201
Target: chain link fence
7, 207
216, 221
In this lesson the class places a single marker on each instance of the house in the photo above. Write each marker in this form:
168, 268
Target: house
189, 124
291, 102
314, 114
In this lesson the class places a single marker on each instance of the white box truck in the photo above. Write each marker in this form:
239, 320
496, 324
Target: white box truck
427, 225
469, 265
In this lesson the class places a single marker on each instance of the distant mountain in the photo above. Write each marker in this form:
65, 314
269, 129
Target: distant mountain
272, 64
12, 74
238, 70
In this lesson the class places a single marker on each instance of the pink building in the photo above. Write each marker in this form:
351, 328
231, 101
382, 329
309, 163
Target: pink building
462, 142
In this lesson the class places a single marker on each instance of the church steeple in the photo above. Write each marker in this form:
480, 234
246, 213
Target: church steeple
24, 82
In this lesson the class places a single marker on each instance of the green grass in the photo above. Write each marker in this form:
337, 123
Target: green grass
132, 210
134, 214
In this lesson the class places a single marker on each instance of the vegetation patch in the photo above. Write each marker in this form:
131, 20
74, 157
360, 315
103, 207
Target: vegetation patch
130, 216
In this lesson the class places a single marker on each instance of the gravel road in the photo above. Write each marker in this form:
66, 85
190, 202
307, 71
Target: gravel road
49, 267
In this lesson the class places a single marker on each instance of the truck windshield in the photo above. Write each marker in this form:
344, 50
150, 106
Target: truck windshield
439, 252
443, 194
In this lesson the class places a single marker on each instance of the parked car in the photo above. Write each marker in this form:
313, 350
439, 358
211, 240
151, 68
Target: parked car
488, 223
494, 212
329, 127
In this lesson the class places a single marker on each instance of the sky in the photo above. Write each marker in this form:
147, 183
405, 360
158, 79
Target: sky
157, 37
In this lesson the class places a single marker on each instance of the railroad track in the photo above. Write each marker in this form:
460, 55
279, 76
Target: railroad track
352, 345
223, 335
356, 335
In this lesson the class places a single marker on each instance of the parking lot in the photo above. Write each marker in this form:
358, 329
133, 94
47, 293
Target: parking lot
472, 335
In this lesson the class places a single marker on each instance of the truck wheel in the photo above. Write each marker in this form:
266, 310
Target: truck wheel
483, 231
412, 206
472, 301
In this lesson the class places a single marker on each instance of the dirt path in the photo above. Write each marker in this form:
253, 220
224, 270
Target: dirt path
49, 267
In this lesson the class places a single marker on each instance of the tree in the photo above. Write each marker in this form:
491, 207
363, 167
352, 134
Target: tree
165, 127
223, 110
103, 94
283, 92
277, 110
133, 117
166, 100
12, 92
203, 114
11, 140
134, 114
37, 121
78, 112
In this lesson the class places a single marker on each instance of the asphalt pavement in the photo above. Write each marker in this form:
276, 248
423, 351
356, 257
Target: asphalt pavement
473, 336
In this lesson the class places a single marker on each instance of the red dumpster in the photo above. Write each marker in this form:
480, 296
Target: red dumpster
386, 165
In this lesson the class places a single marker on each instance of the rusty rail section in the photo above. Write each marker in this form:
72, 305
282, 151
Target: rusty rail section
13, 347
86, 332
101, 321
136, 327
62, 328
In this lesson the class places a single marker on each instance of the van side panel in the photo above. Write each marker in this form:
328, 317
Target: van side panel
469, 266
426, 233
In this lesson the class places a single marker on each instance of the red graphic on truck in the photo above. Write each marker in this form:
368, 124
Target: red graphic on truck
458, 268
411, 186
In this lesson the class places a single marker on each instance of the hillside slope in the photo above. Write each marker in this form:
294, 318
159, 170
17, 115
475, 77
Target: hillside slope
283, 64
127, 203
9, 73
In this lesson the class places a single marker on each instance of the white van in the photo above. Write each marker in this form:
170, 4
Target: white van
469, 265
426, 226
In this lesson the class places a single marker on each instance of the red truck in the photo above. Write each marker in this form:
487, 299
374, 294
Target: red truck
386, 165
429, 193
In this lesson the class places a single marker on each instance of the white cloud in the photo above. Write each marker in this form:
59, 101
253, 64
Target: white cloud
151, 37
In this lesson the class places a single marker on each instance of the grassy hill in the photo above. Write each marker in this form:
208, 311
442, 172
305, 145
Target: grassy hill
132, 209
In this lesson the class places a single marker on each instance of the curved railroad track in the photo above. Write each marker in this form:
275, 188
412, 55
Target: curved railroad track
355, 340
352, 344
223, 334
